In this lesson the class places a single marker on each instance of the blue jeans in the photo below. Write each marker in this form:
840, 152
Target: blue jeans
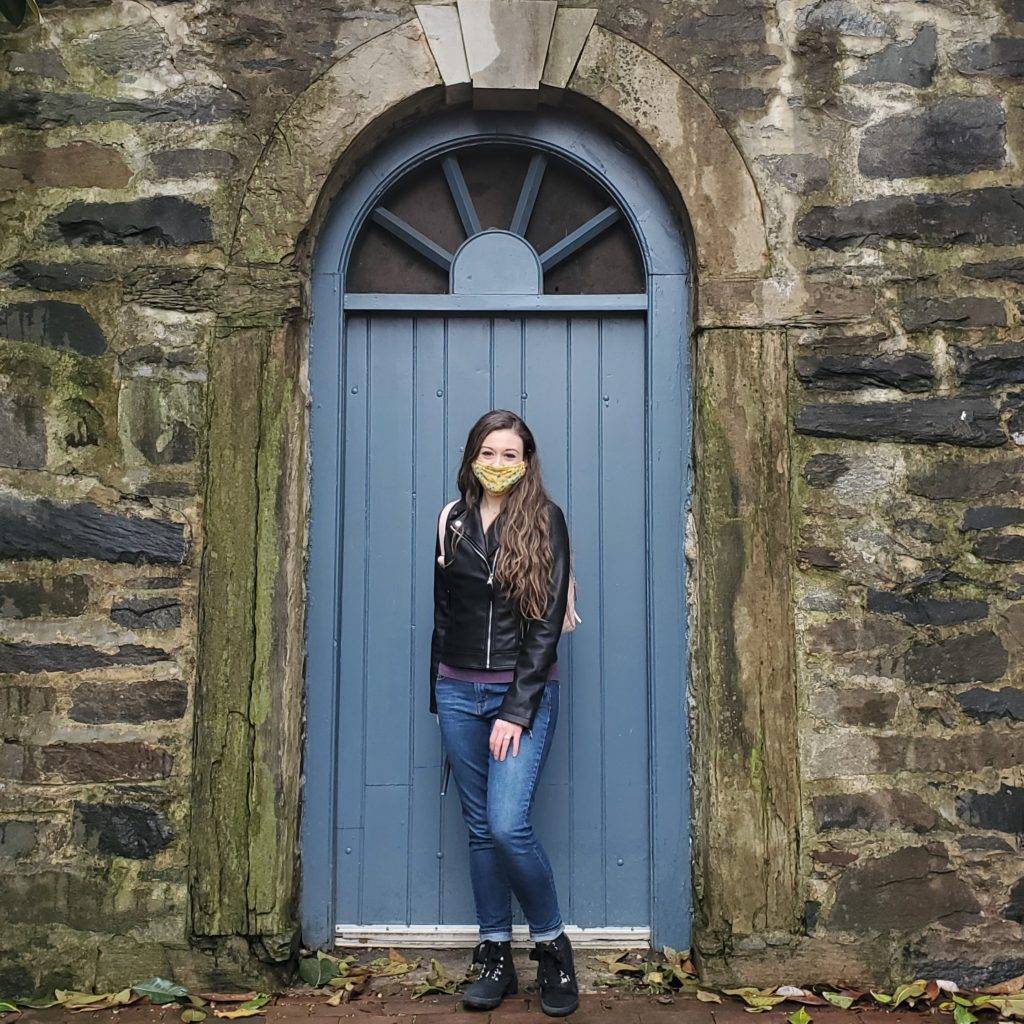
496, 797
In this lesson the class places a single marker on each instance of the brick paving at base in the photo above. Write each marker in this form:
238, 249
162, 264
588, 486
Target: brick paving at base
388, 1000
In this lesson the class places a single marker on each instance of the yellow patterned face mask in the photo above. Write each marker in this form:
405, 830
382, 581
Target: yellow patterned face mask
498, 479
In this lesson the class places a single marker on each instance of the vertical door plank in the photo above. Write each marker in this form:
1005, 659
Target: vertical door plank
583, 692
624, 557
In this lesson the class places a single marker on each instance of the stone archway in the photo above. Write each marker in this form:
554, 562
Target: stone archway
249, 704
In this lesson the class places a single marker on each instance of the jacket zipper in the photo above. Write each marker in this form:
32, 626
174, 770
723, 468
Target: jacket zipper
490, 583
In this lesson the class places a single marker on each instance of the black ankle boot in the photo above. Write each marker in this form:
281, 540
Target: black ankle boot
556, 976
497, 978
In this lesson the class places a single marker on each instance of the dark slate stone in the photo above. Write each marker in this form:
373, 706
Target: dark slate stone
154, 700
972, 658
57, 277
32, 109
41, 528
870, 811
1014, 909
904, 371
957, 135
1001, 55
1002, 811
925, 313
800, 173
988, 705
130, 761
192, 163
17, 838
22, 432
39, 64
825, 468
963, 480
147, 613
844, 17
996, 270
861, 706
978, 216
123, 830
924, 611
22, 657
54, 324
970, 422
812, 909
992, 517
992, 366
739, 98
158, 220
967, 972
993, 843
910, 63
1000, 548
902, 891
29, 598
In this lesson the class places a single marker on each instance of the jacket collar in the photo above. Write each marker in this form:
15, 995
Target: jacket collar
472, 526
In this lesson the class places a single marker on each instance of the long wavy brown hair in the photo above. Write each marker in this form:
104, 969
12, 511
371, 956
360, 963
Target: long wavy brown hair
523, 568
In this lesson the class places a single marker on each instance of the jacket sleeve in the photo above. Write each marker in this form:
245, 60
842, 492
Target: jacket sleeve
539, 645
441, 614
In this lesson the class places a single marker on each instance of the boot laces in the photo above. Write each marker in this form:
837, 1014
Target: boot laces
492, 957
551, 960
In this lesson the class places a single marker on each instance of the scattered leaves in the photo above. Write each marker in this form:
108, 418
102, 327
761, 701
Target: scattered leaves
437, 981
800, 1016
250, 1008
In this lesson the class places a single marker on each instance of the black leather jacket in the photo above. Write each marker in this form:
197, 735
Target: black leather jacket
477, 626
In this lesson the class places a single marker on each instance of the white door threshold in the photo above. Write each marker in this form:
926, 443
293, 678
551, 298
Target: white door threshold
457, 935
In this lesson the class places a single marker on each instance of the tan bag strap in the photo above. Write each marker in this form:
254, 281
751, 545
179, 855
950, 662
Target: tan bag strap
442, 519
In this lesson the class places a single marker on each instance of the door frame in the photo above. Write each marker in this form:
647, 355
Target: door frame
659, 231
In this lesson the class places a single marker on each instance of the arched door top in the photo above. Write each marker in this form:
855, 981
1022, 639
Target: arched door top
548, 134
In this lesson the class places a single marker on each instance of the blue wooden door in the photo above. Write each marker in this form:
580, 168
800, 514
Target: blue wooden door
414, 385
481, 261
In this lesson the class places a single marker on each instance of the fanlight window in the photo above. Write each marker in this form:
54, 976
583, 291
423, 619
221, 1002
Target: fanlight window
496, 218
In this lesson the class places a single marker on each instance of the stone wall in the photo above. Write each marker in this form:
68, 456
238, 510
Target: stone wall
885, 143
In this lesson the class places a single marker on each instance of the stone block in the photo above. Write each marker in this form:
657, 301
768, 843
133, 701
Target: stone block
1001, 811
1000, 547
993, 216
991, 366
963, 480
991, 518
74, 165
928, 312
905, 371
55, 324
57, 277
972, 422
956, 135
43, 596
22, 433
148, 700
192, 163
147, 612
41, 528
162, 420
1001, 56
911, 63
900, 892
996, 270
18, 657
157, 220
799, 173
970, 658
988, 705
876, 810
121, 830
925, 611
130, 761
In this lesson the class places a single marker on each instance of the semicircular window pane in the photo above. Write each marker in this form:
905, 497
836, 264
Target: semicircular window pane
570, 235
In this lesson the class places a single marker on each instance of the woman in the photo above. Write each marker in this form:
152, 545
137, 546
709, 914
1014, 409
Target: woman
501, 581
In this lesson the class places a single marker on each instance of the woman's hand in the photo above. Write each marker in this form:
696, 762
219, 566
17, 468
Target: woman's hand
503, 733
